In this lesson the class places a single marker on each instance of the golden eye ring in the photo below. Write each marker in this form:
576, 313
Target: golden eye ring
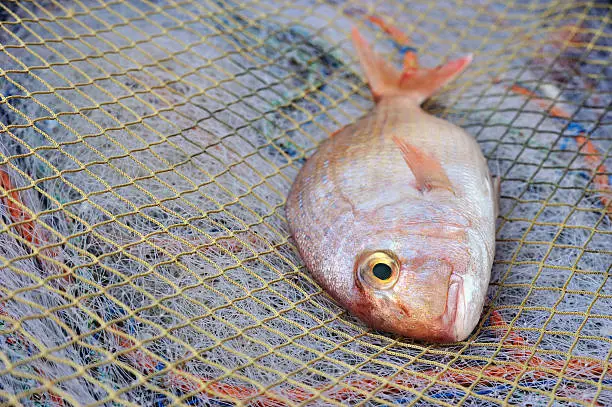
378, 269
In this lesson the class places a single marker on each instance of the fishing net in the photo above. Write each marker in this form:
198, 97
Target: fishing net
146, 151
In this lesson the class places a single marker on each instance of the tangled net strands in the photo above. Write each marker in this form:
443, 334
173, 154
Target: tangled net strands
146, 150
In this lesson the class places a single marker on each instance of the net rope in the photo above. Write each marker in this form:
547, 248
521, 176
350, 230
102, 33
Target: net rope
146, 151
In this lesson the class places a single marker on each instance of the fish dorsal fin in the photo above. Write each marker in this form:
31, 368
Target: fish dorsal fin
426, 169
414, 82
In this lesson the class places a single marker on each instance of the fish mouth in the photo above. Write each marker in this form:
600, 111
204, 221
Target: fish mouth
448, 326
455, 308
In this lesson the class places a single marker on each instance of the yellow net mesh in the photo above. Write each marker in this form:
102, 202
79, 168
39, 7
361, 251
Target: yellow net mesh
146, 150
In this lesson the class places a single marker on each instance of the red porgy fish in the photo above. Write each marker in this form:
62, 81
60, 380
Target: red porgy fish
394, 215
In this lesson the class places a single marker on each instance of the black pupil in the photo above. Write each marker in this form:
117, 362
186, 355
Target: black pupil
381, 271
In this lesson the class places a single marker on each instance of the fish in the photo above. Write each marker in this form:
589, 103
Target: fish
394, 215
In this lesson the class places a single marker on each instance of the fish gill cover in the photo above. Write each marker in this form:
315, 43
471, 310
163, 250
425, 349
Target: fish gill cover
146, 151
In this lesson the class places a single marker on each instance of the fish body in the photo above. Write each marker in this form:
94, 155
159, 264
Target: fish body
394, 215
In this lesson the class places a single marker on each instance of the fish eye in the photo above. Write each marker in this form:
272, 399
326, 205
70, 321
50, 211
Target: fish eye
378, 269
382, 271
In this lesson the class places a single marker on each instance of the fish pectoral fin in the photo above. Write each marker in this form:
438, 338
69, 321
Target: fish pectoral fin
335, 133
426, 169
497, 192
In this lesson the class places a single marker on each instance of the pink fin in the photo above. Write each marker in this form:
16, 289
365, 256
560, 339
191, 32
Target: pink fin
401, 39
427, 170
497, 189
416, 83
337, 131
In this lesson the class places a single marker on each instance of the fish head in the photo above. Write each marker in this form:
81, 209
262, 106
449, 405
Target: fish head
427, 285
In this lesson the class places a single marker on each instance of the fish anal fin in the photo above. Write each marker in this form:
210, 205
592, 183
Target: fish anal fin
426, 169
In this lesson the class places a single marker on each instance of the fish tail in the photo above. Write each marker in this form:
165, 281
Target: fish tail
413, 82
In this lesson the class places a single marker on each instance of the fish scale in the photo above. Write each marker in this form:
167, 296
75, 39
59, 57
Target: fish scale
408, 195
